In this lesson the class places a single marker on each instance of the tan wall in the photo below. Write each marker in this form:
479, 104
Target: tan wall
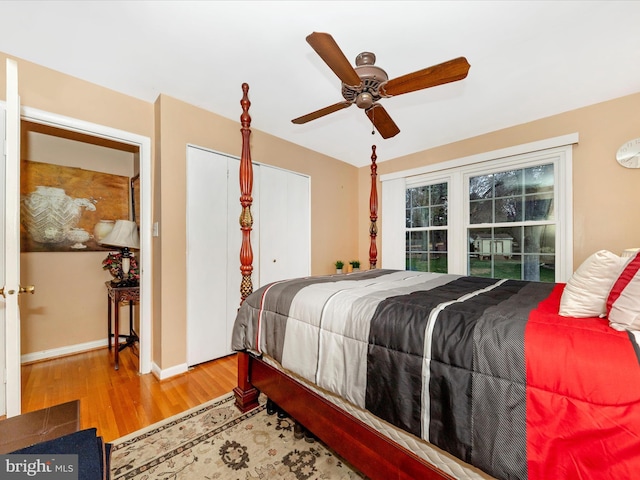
61, 94
605, 195
333, 204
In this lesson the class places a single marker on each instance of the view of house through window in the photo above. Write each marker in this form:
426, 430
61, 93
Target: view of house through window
495, 220
511, 226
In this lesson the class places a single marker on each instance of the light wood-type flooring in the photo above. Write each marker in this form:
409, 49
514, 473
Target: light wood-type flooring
118, 402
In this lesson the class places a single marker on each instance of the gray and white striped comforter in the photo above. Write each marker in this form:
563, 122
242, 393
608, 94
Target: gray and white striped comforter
439, 356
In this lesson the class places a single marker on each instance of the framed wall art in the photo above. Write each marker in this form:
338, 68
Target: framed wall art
66, 209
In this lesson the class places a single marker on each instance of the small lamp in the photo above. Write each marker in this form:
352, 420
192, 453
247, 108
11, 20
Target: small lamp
124, 235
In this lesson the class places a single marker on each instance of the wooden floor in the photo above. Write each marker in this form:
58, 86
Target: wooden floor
118, 402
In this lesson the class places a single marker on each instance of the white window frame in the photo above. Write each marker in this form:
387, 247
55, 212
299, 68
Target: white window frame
556, 150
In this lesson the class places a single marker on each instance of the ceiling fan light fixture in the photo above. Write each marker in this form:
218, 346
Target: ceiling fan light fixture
364, 100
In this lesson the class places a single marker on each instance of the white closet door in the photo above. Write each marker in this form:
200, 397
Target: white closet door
234, 240
284, 225
208, 334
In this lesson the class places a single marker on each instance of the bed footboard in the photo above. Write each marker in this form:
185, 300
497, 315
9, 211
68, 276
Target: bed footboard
367, 450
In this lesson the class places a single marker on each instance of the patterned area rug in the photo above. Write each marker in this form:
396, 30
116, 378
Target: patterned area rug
216, 441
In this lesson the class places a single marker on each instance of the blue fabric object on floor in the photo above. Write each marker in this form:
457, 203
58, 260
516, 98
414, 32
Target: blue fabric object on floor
93, 453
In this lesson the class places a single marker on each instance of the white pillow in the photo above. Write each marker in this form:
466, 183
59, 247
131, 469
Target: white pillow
623, 304
586, 292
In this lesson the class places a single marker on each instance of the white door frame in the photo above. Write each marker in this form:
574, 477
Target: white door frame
144, 144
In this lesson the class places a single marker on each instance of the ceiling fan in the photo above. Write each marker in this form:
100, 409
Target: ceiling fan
367, 83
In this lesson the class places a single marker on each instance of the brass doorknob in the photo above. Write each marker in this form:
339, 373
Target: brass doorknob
27, 289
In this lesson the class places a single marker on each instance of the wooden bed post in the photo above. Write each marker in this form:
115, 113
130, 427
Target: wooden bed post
246, 394
246, 186
373, 209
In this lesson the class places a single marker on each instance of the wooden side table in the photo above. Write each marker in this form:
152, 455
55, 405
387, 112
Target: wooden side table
118, 296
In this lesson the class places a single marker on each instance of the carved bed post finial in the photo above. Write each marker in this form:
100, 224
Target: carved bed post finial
373, 209
246, 186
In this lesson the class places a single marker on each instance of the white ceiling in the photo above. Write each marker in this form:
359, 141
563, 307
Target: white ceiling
529, 59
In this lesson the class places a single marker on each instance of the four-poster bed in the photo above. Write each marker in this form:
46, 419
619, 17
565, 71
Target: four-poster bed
368, 450
398, 362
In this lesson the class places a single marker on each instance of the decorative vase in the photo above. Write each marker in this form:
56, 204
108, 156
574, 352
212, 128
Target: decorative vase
102, 229
78, 236
49, 213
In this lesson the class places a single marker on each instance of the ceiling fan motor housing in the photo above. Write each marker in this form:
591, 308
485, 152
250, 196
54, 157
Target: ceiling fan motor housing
371, 77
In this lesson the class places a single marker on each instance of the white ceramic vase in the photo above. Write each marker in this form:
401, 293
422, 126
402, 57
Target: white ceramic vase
102, 229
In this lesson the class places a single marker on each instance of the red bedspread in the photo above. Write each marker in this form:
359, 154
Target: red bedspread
583, 414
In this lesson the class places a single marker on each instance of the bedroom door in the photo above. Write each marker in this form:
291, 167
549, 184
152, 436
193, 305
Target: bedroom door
213, 239
10, 244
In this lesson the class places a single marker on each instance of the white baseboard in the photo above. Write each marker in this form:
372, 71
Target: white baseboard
168, 372
84, 347
62, 351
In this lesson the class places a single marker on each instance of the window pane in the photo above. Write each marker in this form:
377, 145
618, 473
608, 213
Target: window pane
508, 209
417, 241
480, 267
547, 268
438, 241
481, 211
539, 207
481, 187
420, 197
438, 216
507, 184
480, 242
539, 179
420, 217
439, 194
540, 239
507, 241
438, 263
510, 267
418, 262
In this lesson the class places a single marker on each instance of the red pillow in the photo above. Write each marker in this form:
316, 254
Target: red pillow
623, 302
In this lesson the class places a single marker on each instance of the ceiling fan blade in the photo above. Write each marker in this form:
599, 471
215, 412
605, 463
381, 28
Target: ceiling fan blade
330, 52
382, 121
321, 113
446, 72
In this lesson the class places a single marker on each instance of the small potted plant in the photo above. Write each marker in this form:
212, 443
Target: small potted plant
355, 265
339, 264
